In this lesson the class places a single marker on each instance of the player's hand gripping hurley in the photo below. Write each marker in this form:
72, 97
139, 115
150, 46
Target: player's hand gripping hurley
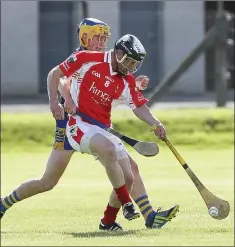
210, 199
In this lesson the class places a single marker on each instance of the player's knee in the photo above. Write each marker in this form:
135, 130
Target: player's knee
47, 185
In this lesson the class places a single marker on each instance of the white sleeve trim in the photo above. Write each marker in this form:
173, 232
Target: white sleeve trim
106, 56
127, 96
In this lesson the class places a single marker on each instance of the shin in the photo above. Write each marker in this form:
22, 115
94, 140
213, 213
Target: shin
55, 167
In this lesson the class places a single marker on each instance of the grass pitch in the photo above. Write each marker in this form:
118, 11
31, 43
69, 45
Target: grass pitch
69, 215
194, 128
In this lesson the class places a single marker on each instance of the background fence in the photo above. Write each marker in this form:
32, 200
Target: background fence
39, 35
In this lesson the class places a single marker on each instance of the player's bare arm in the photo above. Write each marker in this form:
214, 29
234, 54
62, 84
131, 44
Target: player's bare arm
61, 84
53, 80
144, 114
64, 88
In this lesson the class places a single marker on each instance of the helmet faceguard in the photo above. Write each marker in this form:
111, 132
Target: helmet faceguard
128, 64
133, 54
93, 27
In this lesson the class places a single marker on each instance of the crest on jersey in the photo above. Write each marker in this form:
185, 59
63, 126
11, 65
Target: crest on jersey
73, 130
72, 58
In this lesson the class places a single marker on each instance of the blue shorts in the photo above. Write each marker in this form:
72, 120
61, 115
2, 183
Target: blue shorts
61, 140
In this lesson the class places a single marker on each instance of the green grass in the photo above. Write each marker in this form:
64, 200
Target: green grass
194, 128
69, 215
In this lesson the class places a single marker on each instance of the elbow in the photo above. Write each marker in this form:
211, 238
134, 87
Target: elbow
55, 73
63, 85
139, 109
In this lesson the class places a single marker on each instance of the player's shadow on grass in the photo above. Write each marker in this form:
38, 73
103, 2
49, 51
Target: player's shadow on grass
101, 233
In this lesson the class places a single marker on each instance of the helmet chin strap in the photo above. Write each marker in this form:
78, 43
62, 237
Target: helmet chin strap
121, 73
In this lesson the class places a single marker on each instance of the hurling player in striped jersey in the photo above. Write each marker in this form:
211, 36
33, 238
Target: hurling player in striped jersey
95, 38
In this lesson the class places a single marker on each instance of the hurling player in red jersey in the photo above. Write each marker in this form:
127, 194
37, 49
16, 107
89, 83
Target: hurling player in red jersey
93, 89
95, 84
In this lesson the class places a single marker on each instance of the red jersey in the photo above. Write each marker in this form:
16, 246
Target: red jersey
95, 85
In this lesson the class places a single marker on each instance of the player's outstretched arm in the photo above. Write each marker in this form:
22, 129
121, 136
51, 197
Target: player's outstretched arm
144, 114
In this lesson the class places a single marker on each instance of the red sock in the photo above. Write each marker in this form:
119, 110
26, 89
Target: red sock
110, 215
122, 194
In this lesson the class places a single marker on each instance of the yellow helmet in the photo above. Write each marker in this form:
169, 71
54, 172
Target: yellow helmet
91, 27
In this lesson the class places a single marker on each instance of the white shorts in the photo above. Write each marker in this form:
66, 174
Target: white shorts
79, 134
